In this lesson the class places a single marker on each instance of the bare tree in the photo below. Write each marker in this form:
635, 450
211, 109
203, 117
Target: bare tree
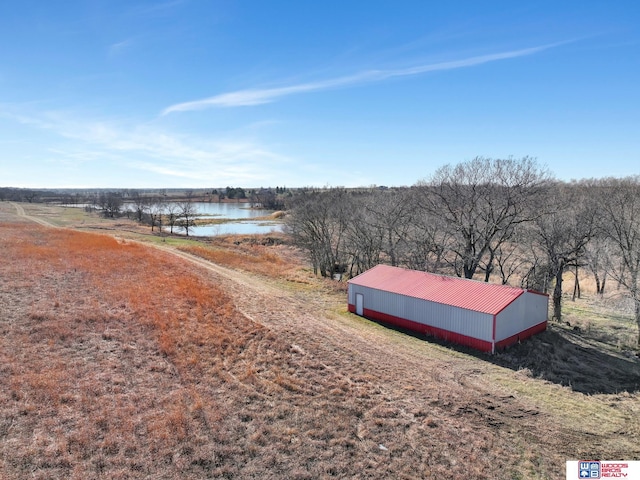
481, 201
509, 258
621, 222
564, 232
172, 215
428, 241
318, 223
391, 212
186, 216
363, 239
140, 204
110, 203
156, 211
598, 257
536, 275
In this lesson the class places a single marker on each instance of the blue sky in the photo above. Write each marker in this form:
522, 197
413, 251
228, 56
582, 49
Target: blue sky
206, 93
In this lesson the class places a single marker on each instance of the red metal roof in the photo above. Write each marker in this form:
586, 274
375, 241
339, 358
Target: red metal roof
457, 292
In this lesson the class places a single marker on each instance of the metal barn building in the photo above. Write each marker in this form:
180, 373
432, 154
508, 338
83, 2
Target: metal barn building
481, 315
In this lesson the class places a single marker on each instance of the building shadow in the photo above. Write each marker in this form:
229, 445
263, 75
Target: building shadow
575, 360
564, 357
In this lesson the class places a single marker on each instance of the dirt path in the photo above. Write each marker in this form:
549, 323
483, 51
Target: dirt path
21, 213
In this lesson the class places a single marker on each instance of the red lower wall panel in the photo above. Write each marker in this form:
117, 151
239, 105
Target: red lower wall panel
512, 340
440, 333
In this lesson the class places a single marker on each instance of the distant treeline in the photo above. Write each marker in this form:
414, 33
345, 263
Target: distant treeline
269, 198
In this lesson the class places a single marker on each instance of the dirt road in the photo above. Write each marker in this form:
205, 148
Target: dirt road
21, 213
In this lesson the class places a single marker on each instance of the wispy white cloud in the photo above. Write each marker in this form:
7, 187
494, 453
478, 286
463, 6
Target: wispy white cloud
145, 148
116, 48
259, 96
251, 97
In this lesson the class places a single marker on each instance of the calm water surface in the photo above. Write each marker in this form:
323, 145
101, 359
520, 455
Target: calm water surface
229, 210
232, 228
240, 211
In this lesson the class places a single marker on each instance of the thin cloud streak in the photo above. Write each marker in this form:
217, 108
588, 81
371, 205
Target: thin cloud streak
172, 155
116, 48
252, 97
257, 97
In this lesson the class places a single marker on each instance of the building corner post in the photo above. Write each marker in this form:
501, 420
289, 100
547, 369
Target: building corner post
493, 336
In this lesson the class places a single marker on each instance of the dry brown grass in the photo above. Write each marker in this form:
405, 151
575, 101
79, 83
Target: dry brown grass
257, 259
93, 350
269, 255
121, 361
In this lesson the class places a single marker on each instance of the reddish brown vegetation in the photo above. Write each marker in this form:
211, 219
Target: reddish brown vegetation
254, 254
100, 350
258, 261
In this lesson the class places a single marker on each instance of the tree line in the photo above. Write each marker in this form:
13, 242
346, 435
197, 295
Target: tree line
152, 210
506, 220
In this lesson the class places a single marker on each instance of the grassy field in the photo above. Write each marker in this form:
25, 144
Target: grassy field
124, 360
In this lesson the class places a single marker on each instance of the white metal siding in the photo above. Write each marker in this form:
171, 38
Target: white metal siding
526, 311
458, 320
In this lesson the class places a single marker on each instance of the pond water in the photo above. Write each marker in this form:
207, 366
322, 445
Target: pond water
228, 210
236, 211
232, 228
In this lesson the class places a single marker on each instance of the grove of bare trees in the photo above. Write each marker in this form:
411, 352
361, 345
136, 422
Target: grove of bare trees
500, 220
620, 223
110, 203
482, 202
